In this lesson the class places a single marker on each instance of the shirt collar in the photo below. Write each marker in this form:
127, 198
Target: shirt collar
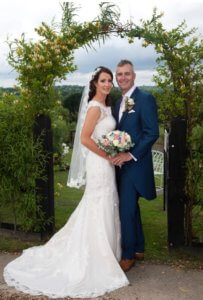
129, 93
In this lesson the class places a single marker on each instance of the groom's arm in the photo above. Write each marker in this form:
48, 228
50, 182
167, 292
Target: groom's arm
150, 128
150, 132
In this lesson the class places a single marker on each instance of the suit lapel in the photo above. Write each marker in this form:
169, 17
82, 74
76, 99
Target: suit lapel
123, 118
125, 113
134, 93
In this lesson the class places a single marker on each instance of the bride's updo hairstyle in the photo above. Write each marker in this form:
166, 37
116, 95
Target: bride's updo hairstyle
95, 77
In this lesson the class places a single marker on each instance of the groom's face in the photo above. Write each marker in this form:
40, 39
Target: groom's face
125, 77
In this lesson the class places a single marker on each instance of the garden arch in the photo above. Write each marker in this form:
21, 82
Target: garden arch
40, 64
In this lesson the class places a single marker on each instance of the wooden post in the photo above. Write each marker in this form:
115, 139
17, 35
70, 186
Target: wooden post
175, 181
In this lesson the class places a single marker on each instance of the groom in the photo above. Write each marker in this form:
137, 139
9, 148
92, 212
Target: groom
137, 117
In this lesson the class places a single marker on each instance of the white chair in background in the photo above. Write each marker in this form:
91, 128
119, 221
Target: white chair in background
158, 165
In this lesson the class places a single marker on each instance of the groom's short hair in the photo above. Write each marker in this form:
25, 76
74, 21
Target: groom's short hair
125, 62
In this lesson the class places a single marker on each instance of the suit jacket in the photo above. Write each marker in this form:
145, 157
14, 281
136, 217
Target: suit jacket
142, 125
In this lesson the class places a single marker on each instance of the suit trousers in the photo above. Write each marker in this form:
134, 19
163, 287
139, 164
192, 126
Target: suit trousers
132, 237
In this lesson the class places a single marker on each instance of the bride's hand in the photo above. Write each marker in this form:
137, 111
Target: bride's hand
113, 161
120, 158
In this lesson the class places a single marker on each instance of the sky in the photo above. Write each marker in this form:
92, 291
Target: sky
22, 16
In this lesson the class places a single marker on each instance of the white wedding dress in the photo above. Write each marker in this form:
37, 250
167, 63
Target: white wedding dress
81, 259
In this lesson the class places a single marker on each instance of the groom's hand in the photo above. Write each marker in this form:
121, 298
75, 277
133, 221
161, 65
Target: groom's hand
120, 158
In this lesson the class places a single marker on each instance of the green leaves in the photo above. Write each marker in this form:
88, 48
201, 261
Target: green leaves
43, 62
179, 77
21, 160
49, 59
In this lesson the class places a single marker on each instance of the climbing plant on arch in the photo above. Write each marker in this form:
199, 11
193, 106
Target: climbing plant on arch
179, 72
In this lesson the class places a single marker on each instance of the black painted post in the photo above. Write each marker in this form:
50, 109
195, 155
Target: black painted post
166, 173
175, 182
45, 189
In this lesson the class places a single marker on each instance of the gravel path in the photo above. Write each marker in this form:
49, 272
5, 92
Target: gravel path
148, 282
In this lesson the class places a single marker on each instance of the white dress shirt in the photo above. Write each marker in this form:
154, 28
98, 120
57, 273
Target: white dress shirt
122, 108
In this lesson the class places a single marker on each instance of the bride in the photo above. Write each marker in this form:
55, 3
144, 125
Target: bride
81, 259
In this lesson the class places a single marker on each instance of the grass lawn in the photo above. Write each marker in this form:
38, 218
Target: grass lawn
66, 201
154, 224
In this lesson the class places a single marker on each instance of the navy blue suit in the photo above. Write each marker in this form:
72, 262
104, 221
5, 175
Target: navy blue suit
136, 178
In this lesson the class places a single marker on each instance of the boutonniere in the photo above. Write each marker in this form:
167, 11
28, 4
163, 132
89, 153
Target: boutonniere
129, 103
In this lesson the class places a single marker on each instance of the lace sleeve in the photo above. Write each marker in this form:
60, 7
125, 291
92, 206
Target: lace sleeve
94, 103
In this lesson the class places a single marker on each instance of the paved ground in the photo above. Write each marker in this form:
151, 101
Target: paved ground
148, 282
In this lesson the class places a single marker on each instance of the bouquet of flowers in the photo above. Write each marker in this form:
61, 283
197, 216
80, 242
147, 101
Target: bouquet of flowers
114, 142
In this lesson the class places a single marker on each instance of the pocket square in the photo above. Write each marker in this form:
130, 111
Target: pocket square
131, 111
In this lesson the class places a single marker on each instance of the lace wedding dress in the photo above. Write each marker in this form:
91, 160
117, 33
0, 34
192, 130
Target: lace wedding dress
81, 259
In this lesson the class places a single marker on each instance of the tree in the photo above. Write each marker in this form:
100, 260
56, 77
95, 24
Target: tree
21, 162
72, 103
39, 65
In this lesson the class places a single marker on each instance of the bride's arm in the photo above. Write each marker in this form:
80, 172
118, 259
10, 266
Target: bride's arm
91, 119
